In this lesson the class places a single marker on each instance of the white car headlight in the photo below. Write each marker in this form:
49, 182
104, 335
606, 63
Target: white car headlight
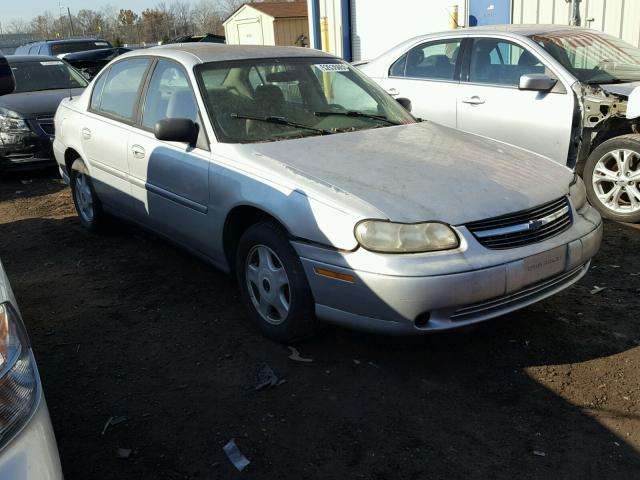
18, 377
389, 237
10, 122
578, 193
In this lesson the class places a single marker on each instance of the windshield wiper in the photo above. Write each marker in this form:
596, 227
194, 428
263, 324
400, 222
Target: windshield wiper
281, 121
355, 113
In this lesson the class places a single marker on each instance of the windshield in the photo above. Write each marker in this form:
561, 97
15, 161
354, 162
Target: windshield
274, 99
593, 57
45, 75
72, 47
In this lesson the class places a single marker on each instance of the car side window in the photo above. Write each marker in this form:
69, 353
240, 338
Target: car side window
96, 94
169, 95
121, 89
432, 61
33, 50
499, 62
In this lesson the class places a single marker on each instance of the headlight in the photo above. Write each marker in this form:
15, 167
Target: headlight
578, 193
11, 122
389, 237
18, 377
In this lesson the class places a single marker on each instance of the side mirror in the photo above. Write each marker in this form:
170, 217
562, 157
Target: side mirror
405, 102
538, 82
177, 130
7, 82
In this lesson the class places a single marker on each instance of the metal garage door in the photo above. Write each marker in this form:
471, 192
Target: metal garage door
250, 33
489, 12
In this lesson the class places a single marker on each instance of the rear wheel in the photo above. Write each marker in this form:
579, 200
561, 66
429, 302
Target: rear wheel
612, 178
86, 201
273, 285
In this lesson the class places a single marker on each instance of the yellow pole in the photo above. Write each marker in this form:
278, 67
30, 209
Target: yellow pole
326, 76
454, 17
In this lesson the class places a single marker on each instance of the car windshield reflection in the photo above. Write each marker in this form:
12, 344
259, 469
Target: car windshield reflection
274, 99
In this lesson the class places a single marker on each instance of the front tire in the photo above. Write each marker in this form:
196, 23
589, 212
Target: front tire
88, 206
273, 285
612, 178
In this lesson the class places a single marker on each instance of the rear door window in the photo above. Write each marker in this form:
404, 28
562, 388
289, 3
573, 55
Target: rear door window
122, 89
432, 61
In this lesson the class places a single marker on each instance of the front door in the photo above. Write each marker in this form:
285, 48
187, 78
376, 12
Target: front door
170, 180
491, 104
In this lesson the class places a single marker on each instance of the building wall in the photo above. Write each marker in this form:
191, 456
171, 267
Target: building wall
378, 25
288, 30
249, 26
620, 18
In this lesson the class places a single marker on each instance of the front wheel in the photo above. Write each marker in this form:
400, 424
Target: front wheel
273, 285
612, 178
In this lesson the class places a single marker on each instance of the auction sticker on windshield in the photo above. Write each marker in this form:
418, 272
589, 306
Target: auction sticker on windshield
331, 67
53, 62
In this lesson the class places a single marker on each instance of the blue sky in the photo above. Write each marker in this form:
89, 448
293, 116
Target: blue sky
26, 10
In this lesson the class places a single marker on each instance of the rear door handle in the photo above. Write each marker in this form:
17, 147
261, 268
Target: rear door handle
393, 92
475, 100
138, 151
86, 133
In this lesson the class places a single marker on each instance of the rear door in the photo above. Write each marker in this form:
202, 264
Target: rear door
428, 75
491, 104
106, 127
170, 180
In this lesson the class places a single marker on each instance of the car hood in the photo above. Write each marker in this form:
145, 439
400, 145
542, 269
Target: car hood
30, 104
624, 89
425, 171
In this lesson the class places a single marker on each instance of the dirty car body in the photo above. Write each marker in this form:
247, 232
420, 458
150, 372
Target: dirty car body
485, 80
327, 198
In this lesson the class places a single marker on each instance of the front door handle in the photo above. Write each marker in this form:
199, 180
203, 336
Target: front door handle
86, 133
138, 151
475, 100
393, 92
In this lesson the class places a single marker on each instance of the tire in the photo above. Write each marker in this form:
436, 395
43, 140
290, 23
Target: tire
612, 177
87, 203
273, 285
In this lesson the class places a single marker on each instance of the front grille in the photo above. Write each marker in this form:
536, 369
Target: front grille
524, 227
530, 293
46, 123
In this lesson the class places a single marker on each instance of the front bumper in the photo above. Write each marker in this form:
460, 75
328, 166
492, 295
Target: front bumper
27, 150
32, 454
413, 294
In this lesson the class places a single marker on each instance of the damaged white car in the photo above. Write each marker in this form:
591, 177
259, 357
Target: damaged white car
568, 93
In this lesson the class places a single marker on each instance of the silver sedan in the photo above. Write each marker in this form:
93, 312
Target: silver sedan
328, 200
568, 93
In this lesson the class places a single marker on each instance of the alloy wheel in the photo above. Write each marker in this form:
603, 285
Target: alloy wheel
616, 181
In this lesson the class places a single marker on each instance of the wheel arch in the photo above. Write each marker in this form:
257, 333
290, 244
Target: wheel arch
237, 221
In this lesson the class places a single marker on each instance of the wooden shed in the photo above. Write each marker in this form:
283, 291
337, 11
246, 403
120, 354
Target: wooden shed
277, 23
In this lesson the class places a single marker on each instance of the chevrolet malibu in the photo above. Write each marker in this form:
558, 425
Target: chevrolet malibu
323, 195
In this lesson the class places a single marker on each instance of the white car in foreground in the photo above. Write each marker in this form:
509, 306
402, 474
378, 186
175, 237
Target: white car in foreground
28, 448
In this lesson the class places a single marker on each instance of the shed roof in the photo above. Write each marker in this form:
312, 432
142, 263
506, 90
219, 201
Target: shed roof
296, 9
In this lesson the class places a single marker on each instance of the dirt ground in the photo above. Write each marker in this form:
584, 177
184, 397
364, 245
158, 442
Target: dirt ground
125, 324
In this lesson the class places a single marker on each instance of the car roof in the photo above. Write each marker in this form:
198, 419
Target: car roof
202, 52
30, 58
524, 29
